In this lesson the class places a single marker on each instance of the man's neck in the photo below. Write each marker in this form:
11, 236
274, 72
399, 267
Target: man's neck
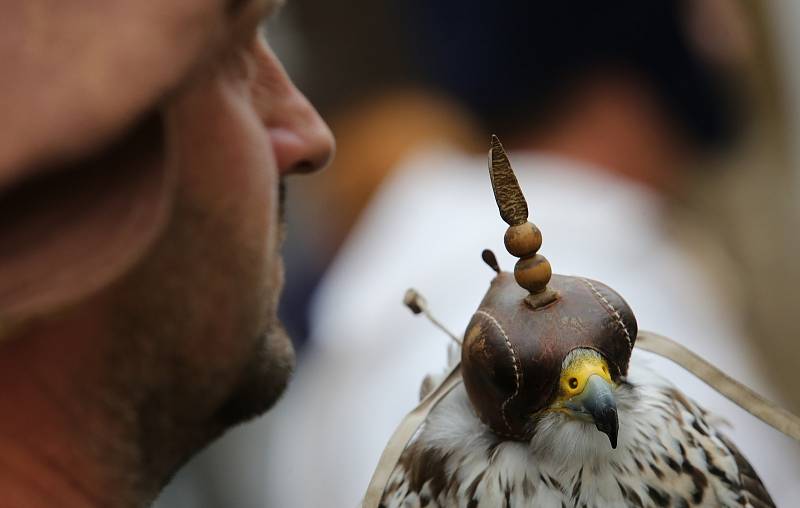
32, 475
51, 440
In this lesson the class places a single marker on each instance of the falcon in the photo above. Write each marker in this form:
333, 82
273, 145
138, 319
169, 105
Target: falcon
636, 441
552, 412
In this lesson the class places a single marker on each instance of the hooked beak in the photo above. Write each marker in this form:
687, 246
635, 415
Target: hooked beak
596, 402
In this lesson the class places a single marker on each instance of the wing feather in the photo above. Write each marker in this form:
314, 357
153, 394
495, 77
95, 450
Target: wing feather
752, 487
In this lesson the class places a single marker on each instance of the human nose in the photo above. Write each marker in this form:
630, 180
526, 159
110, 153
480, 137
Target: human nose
300, 138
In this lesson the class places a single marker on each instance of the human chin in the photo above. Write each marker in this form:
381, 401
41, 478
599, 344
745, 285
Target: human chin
265, 375
262, 379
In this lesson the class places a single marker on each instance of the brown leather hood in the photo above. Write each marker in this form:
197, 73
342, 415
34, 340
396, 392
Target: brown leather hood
512, 354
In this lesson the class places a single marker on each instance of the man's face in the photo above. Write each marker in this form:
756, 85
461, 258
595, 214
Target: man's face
197, 342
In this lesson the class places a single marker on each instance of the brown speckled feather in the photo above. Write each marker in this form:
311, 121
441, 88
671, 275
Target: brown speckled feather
752, 487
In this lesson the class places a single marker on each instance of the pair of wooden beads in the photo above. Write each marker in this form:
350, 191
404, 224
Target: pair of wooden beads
532, 271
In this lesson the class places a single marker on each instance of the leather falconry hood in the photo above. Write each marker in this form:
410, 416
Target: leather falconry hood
529, 321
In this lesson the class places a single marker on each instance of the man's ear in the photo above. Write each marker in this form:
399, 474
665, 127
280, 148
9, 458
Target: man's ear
77, 74
70, 231
74, 213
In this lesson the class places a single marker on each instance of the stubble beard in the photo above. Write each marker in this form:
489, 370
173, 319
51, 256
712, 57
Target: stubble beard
176, 392
265, 377
263, 380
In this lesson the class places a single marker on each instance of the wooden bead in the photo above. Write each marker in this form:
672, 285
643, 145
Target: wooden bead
523, 240
533, 273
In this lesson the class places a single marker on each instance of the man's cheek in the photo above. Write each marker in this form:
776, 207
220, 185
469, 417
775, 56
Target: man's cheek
222, 147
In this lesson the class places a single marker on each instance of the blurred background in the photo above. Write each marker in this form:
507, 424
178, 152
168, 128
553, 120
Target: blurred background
658, 146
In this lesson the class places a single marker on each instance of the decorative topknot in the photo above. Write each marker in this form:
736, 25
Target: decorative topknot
522, 239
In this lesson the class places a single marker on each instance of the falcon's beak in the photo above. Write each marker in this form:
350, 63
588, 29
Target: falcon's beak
596, 402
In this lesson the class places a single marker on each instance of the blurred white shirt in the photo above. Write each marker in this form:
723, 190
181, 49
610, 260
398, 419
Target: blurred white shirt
426, 229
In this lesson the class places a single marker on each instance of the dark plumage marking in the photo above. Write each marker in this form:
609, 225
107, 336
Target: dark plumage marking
696, 426
672, 463
474, 485
714, 469
698, 479
541, 477
657, 471
556, 483
719, 473
426, 465
630, 495
576, 489
528, 488
683, 450
659, 497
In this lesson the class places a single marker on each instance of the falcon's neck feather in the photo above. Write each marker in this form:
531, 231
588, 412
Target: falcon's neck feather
557, 439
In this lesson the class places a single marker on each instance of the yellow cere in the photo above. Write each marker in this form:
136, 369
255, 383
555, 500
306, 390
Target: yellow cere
577, 372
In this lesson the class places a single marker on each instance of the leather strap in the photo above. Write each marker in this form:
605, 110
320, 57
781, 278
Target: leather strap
408, 427
763, 409
766, 411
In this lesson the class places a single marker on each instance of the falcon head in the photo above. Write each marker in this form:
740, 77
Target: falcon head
567, 358
541, 342
586, 392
